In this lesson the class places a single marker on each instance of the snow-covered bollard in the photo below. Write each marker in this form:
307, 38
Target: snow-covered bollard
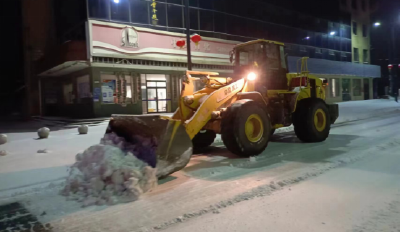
3, 139
43, 132
83, 129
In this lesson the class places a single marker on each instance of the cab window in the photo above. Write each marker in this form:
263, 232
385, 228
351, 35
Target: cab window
272, 56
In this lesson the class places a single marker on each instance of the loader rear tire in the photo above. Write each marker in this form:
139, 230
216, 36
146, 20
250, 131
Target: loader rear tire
312, 121
203, 139
246, 128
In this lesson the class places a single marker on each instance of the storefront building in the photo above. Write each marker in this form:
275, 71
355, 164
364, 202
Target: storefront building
137, 67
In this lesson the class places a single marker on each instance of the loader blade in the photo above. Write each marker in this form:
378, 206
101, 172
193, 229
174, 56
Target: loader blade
160, 142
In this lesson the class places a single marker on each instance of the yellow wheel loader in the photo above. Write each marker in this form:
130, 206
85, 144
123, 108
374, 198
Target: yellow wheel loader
245, 109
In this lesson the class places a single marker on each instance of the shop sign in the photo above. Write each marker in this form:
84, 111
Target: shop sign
96, 94
130, 38
107, 90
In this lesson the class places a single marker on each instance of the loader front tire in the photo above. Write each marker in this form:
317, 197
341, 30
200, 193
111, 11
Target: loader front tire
203, 139
312, 121
245, 128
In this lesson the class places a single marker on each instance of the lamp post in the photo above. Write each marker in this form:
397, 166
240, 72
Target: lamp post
187, 21
393, 66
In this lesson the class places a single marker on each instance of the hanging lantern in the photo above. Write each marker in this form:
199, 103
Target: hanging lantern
196, 39
180, 43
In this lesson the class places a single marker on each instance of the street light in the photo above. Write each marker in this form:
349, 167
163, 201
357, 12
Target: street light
116, 1
332, 33
307, 38
377, 24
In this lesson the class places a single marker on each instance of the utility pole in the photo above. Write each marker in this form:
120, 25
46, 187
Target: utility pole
392, 61
187, 21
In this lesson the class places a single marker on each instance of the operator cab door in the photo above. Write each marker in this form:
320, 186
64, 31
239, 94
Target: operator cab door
276, 67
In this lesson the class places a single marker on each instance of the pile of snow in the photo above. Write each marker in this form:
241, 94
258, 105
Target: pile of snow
44, 132
108, 173
3, 139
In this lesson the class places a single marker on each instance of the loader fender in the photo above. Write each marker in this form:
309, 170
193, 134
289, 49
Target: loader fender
333, 112
256, 96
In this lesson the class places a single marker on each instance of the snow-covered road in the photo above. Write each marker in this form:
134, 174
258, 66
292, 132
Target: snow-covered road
349, 182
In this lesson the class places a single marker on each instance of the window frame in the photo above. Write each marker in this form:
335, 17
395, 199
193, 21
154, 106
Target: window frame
365, 56
354, 27
353, 86
356, 53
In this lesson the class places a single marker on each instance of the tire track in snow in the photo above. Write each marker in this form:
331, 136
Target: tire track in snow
269, 189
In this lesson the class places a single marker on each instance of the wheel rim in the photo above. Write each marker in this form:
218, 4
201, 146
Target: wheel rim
320, 120
254, 128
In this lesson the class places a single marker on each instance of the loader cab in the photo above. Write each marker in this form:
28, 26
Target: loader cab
266, 59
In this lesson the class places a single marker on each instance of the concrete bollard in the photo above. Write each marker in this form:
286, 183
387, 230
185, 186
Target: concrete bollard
3, 139
83, 129
43, 132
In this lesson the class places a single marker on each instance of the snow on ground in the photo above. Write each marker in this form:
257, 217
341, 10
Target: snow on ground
191, 192
363, 196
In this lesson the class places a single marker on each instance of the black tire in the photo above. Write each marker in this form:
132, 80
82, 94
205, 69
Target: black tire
233, 128
303, 120
272, 132
203, 139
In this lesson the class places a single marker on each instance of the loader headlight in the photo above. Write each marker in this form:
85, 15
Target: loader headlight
251, 76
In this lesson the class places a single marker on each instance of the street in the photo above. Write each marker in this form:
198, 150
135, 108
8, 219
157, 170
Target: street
350, 182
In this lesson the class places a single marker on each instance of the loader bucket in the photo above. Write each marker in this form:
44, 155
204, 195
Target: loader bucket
159, 141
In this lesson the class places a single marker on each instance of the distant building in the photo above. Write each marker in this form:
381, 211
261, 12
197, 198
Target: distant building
123, 57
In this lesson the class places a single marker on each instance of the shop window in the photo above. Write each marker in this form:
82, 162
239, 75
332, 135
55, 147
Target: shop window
357, 87
139, 11
175, 16
83, 85
120, 10
334, 87
109, 88
68, 93
127, 89
346, 90
98, 9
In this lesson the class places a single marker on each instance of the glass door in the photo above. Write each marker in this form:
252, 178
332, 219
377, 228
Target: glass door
157, 97
151, 100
